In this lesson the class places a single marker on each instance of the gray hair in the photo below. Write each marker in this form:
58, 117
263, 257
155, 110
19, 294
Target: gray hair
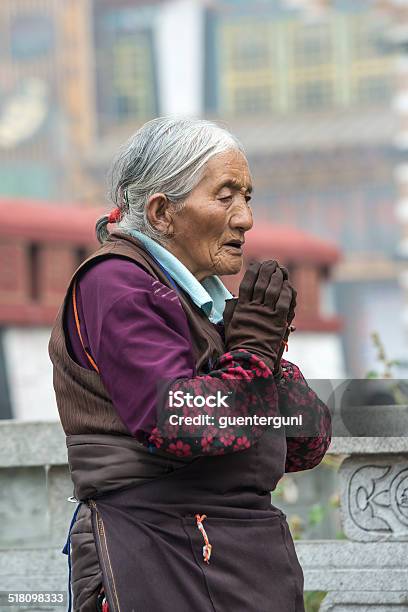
165, 155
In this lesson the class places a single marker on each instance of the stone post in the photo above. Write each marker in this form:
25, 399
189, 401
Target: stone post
370, 570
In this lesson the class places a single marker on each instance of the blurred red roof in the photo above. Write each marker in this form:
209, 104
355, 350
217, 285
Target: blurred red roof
48, 222
56, 222
289, 244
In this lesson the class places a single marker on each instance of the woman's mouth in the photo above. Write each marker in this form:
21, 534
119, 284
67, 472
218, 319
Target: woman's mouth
235, 246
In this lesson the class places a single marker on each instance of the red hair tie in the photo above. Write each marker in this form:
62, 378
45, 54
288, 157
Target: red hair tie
114, 215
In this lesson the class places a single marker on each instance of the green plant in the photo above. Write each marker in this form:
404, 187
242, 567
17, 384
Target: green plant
398, 391
386, 363
313, 599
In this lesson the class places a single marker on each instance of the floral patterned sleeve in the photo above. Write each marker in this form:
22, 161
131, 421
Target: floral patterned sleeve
246, 388
303, 452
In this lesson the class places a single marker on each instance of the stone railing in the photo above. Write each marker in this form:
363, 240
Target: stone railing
367, 570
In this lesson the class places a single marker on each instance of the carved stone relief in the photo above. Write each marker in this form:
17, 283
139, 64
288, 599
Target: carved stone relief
375, 498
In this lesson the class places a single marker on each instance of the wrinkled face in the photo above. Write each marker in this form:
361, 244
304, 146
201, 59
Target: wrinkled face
209, 231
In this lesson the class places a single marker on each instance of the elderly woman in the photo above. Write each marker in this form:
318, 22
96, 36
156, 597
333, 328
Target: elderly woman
171, 391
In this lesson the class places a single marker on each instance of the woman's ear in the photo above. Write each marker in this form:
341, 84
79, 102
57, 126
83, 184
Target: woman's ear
159, 214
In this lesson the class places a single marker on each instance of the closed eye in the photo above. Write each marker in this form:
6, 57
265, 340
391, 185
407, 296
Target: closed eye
227, 198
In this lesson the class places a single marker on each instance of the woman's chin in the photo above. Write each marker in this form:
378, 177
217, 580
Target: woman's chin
230, 267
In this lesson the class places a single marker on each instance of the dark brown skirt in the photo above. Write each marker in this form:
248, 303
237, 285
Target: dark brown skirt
152, 556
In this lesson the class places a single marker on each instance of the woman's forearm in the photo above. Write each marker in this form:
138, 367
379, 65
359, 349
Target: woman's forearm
243, 395
256, 395
295, 395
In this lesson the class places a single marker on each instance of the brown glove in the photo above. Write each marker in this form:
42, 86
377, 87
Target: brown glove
257, 319
291, 315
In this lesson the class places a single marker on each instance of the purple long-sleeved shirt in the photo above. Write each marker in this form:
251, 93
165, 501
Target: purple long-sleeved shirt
136, 331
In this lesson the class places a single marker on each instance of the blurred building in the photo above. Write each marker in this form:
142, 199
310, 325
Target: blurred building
310, 96
267, 58
308, 92
47, 105
125, 64
40, 247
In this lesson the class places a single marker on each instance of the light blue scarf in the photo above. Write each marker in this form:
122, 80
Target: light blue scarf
209, 295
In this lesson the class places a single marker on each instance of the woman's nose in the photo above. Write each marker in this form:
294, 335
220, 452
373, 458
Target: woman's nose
242, 218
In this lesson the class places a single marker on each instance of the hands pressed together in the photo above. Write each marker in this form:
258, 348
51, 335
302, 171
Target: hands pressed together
259, 320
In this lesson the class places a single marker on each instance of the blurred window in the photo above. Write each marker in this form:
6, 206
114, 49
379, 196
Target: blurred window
366, 40
254, 99
250, 49
247, 76
312, 45
131, 92
373, 89
370, 66
125, 66
327, 302
31, 36
34, 271
313, 94
6, 411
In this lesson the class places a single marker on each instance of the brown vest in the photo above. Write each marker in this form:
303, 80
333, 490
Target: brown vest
104, 458
83, 403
